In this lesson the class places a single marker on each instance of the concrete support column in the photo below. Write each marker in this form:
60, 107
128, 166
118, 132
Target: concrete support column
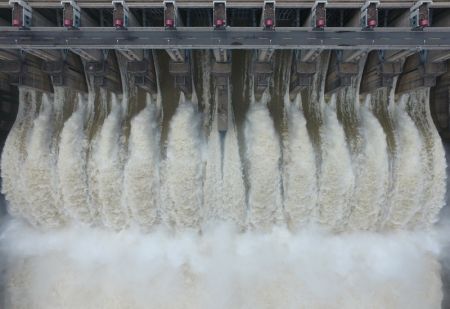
379, 72
182, 72
440, 102
143, 73
221, 71
105, 73
180, 60
304, 66
25, 71
418, 72
263, 65
340, 73
122, 19
67, 72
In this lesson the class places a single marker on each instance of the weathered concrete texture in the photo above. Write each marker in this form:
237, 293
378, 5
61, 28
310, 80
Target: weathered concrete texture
46, 55
378, 73
438, 56
302, 73
340, 73
262, 72
222, 72
418, 72
143, 73
222, 108
132, 54
8, 54
304, 66
8, 110
221, 55
67, 72
4, 82
89, 54
105, 73
440, 102
182, 71
26, 71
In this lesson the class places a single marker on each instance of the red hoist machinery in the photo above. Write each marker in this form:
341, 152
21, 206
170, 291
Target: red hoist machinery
71, 14
170, 15
369, 15
419, 15
21, 14
269, 15
120, 14
220, 15
319, 15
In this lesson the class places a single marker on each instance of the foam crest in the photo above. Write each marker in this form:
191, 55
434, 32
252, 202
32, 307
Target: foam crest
182, 175
141, 180
263, 160
336, 177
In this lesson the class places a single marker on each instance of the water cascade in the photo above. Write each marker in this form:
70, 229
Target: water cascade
263, 154
182, 170
372, 174
40, 166
72, 161
327, 204
300, 175
141, 175
224, 192
15, 153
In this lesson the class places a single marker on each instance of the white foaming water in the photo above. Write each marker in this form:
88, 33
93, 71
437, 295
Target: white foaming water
263, 160
300, 180
372, 174
182, 174
233, 184
407, 194
72, 172
15, 153
433, 160
93, 268
40, 169
336, 177
437, 188
224, 191
109, 161
212, 193
92, 166
141, 180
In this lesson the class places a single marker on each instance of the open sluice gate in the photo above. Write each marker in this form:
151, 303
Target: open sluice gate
138, 146
118, 134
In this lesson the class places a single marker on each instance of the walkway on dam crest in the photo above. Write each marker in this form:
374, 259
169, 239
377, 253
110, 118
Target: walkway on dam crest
232, 38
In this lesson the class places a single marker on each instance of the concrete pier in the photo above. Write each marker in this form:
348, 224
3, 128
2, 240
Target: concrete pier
405, 39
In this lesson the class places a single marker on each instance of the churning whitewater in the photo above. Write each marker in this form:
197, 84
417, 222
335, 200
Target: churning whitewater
117, 203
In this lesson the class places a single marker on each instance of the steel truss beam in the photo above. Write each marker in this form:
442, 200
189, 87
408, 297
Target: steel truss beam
355, 4
232, 38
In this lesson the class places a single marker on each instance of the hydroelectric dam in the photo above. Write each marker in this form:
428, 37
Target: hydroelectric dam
224, 154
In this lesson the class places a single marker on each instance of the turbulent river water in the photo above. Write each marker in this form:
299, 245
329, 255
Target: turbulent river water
138, 201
